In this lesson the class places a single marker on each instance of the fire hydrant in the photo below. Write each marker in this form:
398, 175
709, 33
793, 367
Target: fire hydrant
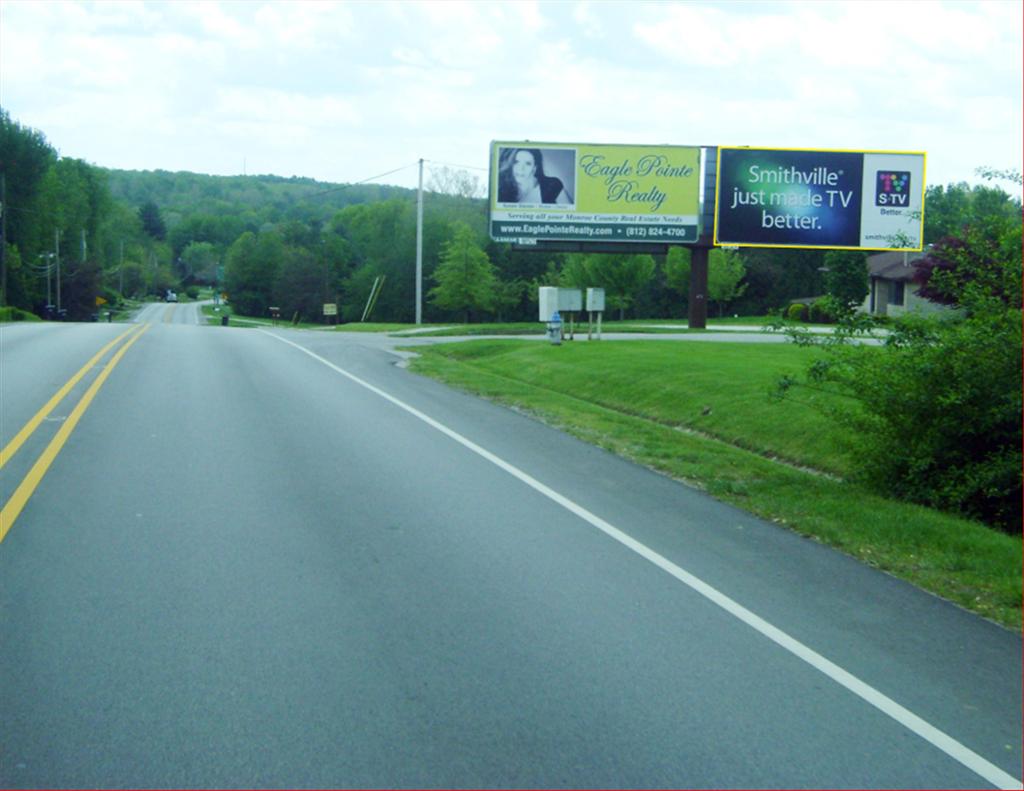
555, 329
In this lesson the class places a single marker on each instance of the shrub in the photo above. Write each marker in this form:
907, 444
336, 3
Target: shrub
846, 278
937, 415
821, 311
16, 314
797, 312
976, 269
936, 412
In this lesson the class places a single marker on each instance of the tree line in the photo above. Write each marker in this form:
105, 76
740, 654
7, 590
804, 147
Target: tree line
296, 243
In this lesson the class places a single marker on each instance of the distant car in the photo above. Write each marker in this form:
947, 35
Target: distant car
172, 297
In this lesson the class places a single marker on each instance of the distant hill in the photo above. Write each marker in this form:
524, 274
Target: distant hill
272, 198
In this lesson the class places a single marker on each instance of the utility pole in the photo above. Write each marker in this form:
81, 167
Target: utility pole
120, 272
419, 249
3, 240
56, 244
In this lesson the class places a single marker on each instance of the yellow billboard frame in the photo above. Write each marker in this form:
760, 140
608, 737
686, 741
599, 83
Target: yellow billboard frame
718, 176
618, 193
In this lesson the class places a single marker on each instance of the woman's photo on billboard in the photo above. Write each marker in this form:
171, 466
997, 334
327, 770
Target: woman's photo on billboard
521, 179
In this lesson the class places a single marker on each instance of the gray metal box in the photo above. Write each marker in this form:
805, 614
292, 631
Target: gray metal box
564, 300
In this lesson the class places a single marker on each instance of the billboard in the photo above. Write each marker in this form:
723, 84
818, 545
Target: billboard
860, 200
594, 193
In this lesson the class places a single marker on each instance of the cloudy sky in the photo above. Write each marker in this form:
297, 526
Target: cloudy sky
344, 91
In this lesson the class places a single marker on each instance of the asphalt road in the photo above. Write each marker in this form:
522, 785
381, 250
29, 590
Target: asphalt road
267, 558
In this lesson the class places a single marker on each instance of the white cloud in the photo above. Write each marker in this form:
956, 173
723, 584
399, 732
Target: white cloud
715, 37
588, 21
190, 85
217, 24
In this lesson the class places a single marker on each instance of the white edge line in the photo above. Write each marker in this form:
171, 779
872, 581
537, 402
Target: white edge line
947, 744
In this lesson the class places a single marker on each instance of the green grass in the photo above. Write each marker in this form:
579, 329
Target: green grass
373, 326
214, 313
651, 326
16, 314
539, 328
709, 388
505, 328
648, 402
237, 320
739, 321
124, 310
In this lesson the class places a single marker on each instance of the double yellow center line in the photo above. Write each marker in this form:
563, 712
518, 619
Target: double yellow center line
13, 507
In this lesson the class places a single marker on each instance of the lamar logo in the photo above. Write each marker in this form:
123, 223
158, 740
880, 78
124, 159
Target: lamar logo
892, 188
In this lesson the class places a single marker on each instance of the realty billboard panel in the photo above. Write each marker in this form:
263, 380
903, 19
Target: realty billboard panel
860, 200
594, 193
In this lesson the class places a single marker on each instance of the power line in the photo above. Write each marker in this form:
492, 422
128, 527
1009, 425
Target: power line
364, 181
453, 165
390, 172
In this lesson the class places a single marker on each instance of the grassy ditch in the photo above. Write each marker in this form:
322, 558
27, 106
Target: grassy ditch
16, 314
702, 413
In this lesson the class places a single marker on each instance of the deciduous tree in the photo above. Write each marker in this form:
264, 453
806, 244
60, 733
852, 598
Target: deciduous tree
725, 273
621, 276
677, 271
846, 280
979, 271
466, 278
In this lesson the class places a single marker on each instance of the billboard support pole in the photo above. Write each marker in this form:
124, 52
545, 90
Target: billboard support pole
698, 313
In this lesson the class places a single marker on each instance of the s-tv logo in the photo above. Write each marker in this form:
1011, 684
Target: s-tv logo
892, 188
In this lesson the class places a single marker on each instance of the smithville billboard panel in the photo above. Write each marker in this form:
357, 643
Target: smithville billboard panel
857, 200
588, 193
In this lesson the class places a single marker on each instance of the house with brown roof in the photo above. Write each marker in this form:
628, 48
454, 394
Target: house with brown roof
892, 291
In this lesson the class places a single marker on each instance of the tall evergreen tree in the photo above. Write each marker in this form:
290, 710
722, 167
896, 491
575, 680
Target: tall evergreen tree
466, 278
152, 222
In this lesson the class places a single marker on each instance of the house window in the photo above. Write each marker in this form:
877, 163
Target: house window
896, 289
